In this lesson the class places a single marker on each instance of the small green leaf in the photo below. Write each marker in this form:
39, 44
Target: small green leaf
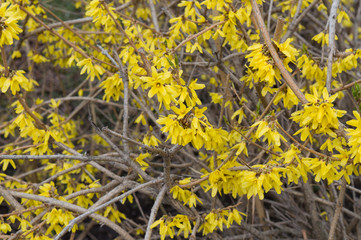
176, 60
258, 107
170, 62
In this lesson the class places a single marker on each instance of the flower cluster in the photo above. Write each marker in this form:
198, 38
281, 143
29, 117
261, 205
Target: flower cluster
318, 116
168, 224
9, 28
261, 67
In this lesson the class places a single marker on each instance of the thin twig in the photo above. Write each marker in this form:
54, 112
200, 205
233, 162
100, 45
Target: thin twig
123, 73
55, 176
146, 109
74, 208
81, 98
59, 156
92, 211
153, 212
327, 203
154, 15
106, 189
269, 15
10, 199
279, 63
339, 204
128, 161
279, 29
304, 147
76, 48
73, 21
193, 183
295, 22
28, 111
5, 63
146, 147
195, 228
331, 41
345, 86
146, 62
191, 37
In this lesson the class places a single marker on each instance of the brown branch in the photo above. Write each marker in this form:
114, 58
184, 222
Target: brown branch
193, 183
146, 62
279, 63
72, 22
191, 37
303, 147
345, 86
153, 213
53, 32
127, 160
286, 75
331, 47
74, 208
5, 63
28, 111
279, 29
295, 22
90, 212
339, 204
9, 198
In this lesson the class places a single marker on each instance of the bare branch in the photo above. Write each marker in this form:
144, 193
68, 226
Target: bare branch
92, 211
339, 204
331, 41
154, 211
74, 208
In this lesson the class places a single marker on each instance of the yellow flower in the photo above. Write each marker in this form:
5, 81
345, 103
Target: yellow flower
181, 111
37, 58
198, 113
90, 69
5, 227
8, 24
5, 163
157, 88
14, 81
195, 86
159, 85
322, 38
269, 132
318, 115
113, 87
100, 15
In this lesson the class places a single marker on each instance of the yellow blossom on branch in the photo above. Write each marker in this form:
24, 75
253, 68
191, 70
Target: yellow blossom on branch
159, 85
92, 70
9, 28
318, 115
16, 80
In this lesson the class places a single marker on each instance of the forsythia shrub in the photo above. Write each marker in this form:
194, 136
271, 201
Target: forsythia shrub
194, 119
